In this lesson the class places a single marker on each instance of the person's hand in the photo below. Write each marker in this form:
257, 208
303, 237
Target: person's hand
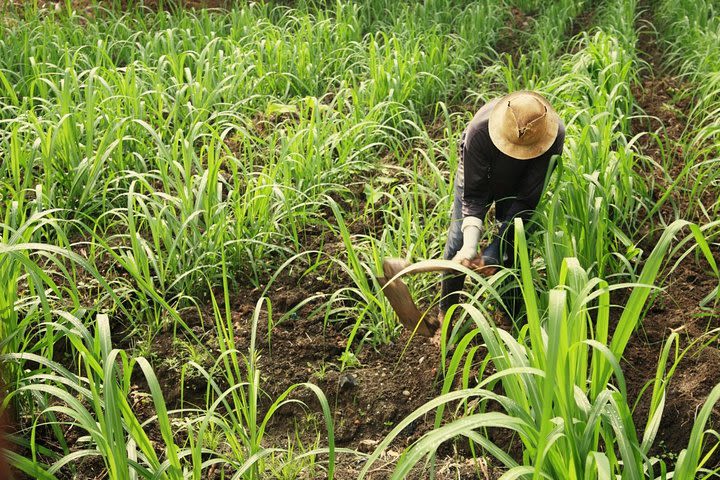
471, 231
478, 264
465, 254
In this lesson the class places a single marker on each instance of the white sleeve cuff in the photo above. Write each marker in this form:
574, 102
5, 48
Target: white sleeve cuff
471, 222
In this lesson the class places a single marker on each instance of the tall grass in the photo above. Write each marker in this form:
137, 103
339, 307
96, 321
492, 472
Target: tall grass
563, 391
151, 158
200, 129
691, 31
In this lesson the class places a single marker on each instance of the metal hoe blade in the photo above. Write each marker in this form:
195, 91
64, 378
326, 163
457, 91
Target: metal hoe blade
401, 300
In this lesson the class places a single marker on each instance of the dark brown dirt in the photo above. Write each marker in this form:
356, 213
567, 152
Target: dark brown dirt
583, 22
5, 428
367, 399
676, 310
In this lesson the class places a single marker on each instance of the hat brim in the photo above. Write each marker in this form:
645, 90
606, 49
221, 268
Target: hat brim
522, 152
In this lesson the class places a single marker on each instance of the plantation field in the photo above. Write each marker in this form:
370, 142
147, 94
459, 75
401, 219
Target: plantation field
195, 204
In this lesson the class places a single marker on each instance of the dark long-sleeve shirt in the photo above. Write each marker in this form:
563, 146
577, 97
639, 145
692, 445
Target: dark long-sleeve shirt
488, 175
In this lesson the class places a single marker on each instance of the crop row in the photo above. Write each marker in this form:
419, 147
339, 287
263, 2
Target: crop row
161, 140
563, 391
692, 32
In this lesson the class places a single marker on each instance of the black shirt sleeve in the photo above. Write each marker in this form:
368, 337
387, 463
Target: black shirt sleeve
476, 164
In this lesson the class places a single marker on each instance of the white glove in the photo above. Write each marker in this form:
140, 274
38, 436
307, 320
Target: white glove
472, 230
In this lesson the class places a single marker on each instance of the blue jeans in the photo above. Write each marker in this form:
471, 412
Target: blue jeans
451, 284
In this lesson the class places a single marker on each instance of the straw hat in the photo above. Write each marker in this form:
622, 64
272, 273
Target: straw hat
523, 125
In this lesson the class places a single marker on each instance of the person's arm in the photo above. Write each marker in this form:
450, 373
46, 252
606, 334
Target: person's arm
476, 196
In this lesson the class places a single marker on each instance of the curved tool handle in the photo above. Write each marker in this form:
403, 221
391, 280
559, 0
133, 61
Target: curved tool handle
393, 266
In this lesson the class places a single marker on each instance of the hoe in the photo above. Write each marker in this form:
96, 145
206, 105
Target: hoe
399, 296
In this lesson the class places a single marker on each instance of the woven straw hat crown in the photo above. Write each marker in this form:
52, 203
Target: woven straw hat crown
523, 125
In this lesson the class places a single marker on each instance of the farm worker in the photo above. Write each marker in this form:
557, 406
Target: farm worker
505, 154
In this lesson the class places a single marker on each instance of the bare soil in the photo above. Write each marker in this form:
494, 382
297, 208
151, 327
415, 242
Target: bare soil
367, 399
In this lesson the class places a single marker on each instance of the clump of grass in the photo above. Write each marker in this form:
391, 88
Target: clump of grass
563, 390
691, 32
100, 400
